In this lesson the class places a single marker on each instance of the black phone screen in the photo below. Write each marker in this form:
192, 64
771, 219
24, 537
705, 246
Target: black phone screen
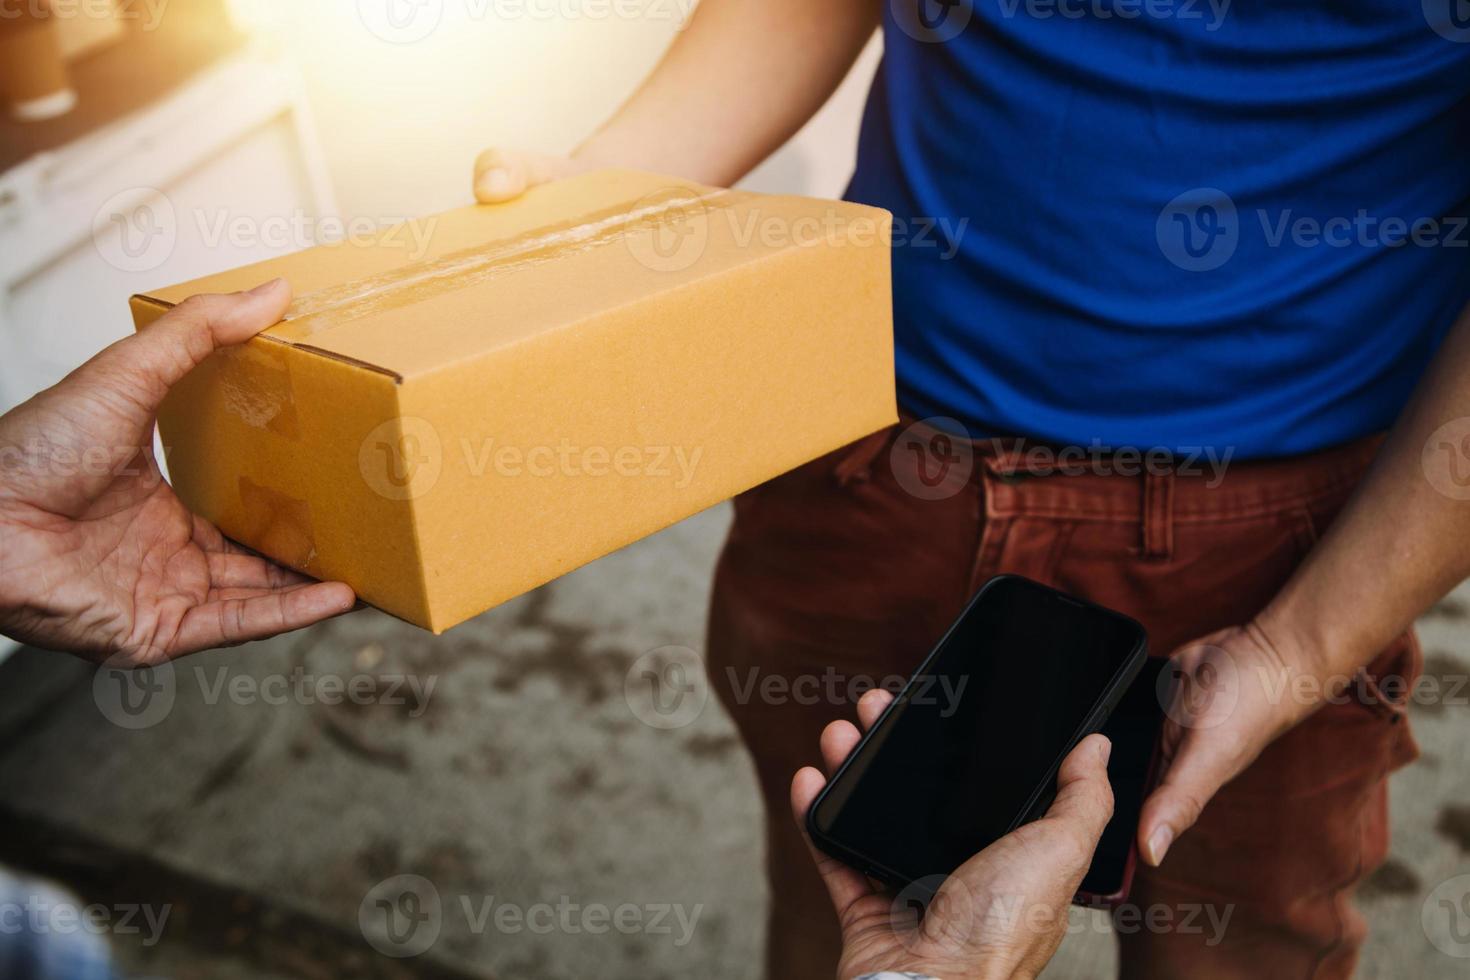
1134, 730
959, 758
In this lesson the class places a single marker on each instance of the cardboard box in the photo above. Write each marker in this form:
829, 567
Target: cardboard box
459, 410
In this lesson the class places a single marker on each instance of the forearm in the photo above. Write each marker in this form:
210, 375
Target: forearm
1399, 544
737, 83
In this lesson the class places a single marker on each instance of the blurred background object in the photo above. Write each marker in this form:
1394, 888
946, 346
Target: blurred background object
33, 79
181, 123
91, 27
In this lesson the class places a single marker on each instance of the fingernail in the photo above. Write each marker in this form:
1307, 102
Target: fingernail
1158, 844
265, 287
1105, 750
496, 181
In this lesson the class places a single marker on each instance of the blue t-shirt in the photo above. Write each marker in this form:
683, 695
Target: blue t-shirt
1172, 223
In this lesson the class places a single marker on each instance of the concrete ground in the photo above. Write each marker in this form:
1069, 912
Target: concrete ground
311, 807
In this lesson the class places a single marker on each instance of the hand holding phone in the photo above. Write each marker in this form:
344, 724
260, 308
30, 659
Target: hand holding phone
970, 749
1002, 913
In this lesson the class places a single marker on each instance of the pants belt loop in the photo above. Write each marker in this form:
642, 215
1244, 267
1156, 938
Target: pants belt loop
1158, 513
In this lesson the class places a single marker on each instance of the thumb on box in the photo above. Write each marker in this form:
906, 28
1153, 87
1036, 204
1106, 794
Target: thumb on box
502, 174
146, 365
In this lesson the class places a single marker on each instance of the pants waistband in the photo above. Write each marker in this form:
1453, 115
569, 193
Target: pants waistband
1020, 476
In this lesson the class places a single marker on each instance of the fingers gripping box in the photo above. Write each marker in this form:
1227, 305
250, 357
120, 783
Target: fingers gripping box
458, 410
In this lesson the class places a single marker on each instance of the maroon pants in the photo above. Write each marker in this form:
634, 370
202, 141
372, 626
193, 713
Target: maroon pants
843, 573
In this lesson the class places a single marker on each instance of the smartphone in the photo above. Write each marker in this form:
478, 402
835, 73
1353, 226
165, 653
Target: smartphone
969, 749
1135, 728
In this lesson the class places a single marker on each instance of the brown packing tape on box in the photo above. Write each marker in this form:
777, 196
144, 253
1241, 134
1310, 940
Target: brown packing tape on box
532, 385
482, 264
